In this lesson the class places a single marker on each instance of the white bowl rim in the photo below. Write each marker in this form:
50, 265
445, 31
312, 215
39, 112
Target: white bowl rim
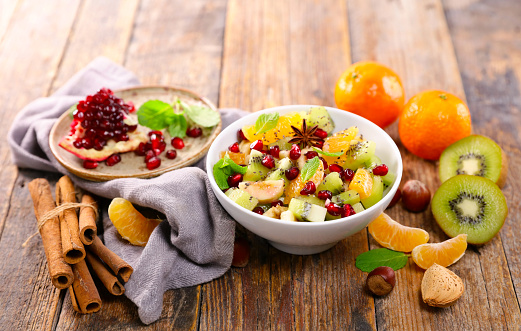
228, 130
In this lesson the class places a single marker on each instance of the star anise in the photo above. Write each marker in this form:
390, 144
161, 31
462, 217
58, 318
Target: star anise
305, 136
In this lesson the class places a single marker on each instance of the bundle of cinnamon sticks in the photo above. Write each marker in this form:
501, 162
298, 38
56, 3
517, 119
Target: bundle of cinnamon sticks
65, 237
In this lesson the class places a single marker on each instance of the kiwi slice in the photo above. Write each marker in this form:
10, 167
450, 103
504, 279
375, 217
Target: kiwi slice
470, 204
474, 155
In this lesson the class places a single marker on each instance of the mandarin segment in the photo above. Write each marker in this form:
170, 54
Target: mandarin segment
444, 253
362, 183
339, 142
296, 185
282, 130
238, 158
391, 234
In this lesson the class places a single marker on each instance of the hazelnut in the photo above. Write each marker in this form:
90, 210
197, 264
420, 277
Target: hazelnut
396, 198
241, 252
381, 280
415, 196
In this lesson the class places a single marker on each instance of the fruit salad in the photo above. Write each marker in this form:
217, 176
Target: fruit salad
294, 168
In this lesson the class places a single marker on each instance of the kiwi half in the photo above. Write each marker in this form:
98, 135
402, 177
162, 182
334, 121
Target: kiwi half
474, 155
470, 204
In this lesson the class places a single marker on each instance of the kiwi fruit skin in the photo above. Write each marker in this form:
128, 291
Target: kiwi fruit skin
494, 165
495, 208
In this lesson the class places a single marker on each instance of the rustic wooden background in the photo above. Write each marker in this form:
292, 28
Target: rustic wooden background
252, 55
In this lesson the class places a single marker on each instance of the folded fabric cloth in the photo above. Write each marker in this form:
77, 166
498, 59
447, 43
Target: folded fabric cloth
193, 246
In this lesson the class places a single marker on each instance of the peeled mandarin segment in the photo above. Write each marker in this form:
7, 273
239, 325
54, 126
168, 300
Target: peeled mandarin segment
339, 142
444, 253
130, 223
391, 234
282, 130
296, 185
238, 158
362, 183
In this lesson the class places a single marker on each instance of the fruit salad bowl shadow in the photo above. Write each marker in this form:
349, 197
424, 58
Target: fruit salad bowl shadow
303, 238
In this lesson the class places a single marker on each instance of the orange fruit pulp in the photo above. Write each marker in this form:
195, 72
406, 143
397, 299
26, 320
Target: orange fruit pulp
391, 234
296, 185
362, 182
431, 121
339, 142
371, 90
444, 253
282, 130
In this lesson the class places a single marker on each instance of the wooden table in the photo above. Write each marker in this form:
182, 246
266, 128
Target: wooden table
253, 55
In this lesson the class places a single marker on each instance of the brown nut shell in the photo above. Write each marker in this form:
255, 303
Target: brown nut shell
441, 287
381, 280
415, 196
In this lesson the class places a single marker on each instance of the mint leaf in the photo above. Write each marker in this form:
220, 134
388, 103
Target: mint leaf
375, 258
319, 151
155, 114
220, 176
310, 168
178, 126
266, 122
201, 115
227, 162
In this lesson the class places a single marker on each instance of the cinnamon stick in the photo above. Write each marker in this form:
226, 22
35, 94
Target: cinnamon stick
88, 228
106, 276
118, 266
73, 250
84, 294
60, 272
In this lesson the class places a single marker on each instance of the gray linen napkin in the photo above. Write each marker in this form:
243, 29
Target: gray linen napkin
194, 245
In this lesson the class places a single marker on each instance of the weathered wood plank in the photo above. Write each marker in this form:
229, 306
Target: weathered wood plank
412, 37
276, 53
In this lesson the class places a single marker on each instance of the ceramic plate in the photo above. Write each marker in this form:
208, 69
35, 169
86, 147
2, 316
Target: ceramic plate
132, 165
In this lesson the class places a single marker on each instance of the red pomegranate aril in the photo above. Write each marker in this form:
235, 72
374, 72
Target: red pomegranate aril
348, 175
178, 143
324, 195
113, 159
240, 135
294, 152
380, 170
275, 151
319, 144
268, 161
347, 210
335, 168
308, 189
277, 203
149, 154
99, 144
321, 134
234, 148
90, 133
87, 143
333, 209
310, 154
141, 149
162, 146
155, 132
155, 142
153, 163
78, 115
234, 180
324, 163
132, 128
122, 137
157, 151
194, 132
171, 154
77, 143
257, 145
89, 164
292, 173
258, 210
148, 146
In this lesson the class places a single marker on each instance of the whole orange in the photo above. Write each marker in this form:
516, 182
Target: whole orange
431, 121
371, 90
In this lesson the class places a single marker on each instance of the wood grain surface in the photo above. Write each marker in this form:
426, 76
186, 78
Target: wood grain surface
253, 55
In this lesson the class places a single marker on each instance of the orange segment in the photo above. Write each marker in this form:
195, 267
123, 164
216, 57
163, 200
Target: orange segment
391, 234
130, 223
362, 183
293, 189
444, 253
339, 142
283, 129
238, 158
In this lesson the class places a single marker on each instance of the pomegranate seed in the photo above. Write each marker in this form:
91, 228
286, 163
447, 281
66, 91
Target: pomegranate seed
333, 209
275, 151
380, 170
162, 146
178, 143
310, 154
132, 128
141, 149
308, 189
122, 137
171, 154
78, 115
157, 151
324, 195
347, 210
348, 175
148, 146
240, 135
319, 144
324, 163
234, 148
99, 144
257, 145
292, 173
155, 141
194, 132
276, 203
149, 154
258, 210
268, 161
77, 143
153, 163
321, 134
335, 168
156, 133
113, 159
89, 164
234, 180
87, 143
294, 152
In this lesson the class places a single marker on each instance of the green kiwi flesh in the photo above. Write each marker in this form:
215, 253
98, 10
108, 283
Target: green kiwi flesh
470, 204
474, 155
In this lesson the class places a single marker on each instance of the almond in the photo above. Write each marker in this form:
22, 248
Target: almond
441, 287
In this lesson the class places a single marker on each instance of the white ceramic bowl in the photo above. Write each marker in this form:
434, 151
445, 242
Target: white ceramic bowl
308, 237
